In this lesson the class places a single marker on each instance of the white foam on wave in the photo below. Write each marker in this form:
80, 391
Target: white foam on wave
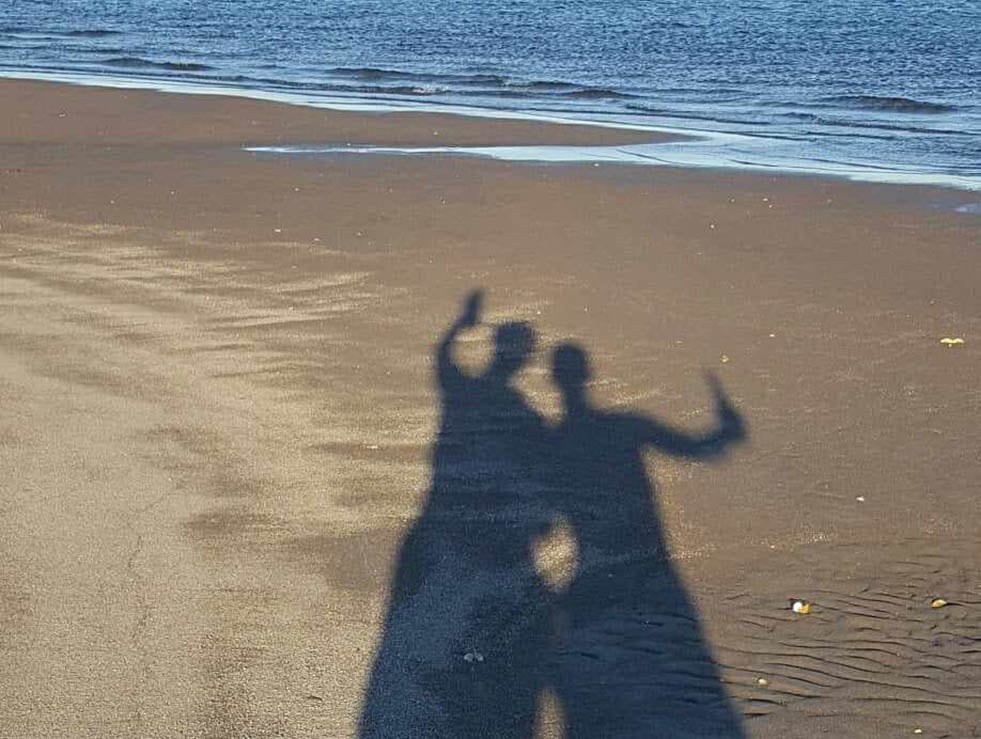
712, 151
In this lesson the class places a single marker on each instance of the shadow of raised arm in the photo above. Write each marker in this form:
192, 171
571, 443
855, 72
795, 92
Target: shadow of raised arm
729, 429
447, 370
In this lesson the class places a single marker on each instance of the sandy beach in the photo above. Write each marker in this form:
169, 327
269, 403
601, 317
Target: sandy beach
219, 410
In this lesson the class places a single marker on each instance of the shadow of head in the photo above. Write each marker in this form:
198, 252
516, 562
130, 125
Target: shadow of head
514, 344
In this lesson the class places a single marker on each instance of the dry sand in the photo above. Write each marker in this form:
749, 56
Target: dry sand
217, 408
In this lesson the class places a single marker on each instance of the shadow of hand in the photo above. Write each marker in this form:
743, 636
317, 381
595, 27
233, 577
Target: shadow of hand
732, 427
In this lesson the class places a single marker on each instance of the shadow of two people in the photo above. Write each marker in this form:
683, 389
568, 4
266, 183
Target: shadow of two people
474, 637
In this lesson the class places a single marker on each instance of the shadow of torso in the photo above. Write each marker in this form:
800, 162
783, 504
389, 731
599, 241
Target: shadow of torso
630, 659
466, 637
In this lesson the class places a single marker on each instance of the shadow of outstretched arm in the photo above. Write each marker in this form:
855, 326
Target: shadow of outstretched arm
730, 429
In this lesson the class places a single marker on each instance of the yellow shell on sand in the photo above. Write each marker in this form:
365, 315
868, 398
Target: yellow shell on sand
947, 341
801, 606
938, 603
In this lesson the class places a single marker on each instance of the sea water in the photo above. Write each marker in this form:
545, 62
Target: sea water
872, 89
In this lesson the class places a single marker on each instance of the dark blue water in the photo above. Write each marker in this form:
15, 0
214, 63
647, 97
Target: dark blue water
885, 89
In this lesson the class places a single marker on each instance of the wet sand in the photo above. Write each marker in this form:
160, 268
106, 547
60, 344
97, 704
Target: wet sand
217, 408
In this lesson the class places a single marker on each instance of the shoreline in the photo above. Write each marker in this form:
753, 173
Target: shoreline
218, 410
693, 148
271, 130
500, 130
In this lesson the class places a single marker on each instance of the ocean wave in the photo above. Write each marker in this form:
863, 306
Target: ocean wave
429, 90
488, 83
249, 81
30, 36
339, 86
403, 90
141, 63
93, 33
54, 35
596, 93
892, 104
692, 116
564, 89
854, 126
371, 74
377, 74
538, 85
463, 84
373, 90
95, 49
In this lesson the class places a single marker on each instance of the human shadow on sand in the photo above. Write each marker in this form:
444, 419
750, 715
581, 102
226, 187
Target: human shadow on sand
474, 636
